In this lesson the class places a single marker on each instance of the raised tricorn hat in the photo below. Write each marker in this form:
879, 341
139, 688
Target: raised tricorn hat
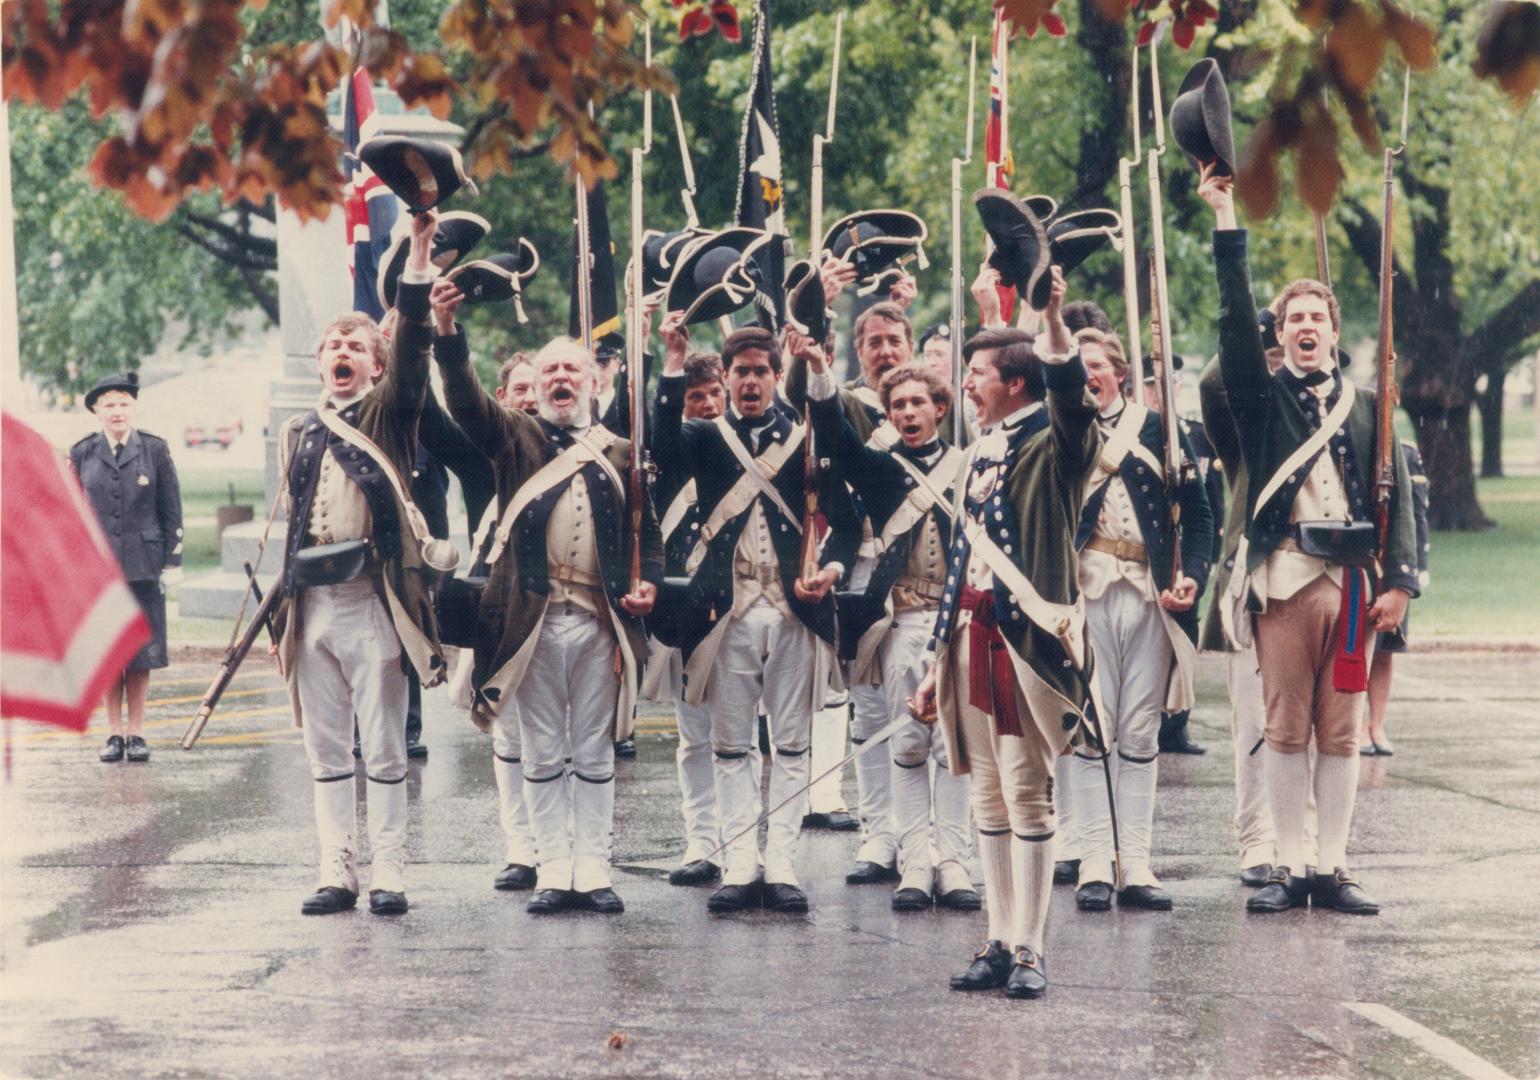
1200, 118
422, 172
499, 277
877, 241
1021, 242
458, 232
1072, 239
712, 278
126, 381
661, 251
805, 309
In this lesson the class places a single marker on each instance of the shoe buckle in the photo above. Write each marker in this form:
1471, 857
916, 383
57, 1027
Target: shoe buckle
1026, 958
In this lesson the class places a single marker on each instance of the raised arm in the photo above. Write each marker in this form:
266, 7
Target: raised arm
406, 379
1242, 361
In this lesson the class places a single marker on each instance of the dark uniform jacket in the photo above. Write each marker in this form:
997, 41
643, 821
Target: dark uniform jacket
1226, 441
513, 602
1032, 514
443, 446
1272, 425
137, 500
1212, 479
387, 415
696, 448
1147, 491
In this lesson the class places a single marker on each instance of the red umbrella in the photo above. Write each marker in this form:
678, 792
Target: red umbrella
68, 622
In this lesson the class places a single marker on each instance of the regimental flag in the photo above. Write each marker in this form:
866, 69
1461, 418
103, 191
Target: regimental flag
601, 271
370, 207
760, 204
998, 164
69, 621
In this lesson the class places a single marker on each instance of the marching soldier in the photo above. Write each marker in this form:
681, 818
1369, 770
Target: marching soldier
1307, 435
759, 630
906, 493
1012, 680
1141, 623
356, 598
559, 631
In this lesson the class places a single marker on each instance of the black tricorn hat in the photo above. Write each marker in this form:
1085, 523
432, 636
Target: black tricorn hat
422, 172
126, 381
1200, 118
1072, 239
1021, 242
458, 232
712, 278
877, 241
499, 277
805, 309
661, 251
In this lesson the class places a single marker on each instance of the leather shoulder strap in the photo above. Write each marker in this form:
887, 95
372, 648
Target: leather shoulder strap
1307, 450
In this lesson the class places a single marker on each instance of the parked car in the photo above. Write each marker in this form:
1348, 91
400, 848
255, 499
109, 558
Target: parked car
221, 433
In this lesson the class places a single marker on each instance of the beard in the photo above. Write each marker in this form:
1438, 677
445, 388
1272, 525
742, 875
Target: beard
575, 412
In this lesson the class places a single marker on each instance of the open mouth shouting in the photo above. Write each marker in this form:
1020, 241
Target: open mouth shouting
562, 396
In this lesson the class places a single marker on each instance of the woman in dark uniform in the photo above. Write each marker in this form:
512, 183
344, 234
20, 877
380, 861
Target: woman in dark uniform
132, 485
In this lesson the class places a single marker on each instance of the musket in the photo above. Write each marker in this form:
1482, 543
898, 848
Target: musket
686, 193
1174, 463
958, 420
1389, 395
812, 466
1126, 167
236, 653
585, 285
1322, 262
636, 345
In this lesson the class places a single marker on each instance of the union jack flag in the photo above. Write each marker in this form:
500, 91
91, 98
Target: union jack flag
369, 205
998, 165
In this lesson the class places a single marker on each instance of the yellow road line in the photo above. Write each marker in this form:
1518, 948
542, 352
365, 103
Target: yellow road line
152, 725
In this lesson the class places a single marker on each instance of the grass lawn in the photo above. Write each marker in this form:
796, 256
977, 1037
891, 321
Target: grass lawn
1487, 584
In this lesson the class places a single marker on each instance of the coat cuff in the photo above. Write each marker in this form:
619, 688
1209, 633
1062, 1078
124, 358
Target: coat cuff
1229, 243
452, 348
1407, 582
412, 300
671, 390
1064, 376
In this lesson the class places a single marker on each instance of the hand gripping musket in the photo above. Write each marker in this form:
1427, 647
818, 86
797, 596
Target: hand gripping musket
1389, 395
234, 654
1175, 466
636, 344
1126, 166
812, 465
958, 420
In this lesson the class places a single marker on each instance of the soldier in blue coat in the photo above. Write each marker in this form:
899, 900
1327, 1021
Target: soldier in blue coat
130, 480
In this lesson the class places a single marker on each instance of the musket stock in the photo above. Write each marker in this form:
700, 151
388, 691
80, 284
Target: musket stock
229, 666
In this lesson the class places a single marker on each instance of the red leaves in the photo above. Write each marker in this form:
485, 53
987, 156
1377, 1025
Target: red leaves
698, 21
726, 17
1054, 25
423, 80
1025, 16
1508, 49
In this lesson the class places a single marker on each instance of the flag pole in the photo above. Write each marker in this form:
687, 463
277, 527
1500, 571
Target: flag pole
958, 426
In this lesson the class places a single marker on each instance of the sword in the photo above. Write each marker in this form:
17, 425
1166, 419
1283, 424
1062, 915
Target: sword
882, 735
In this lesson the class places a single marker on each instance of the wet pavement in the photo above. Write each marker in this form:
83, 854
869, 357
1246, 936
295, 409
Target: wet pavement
150, 926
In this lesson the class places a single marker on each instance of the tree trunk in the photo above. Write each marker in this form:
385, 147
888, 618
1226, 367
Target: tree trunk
1443, 436
1491, 405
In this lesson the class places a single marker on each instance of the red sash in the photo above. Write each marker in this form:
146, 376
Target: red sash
991, 676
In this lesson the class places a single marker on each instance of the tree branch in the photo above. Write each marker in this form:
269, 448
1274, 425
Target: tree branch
237, 259
256, 284
1505, 330
253, 245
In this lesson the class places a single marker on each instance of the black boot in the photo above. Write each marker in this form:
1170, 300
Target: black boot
1173, 735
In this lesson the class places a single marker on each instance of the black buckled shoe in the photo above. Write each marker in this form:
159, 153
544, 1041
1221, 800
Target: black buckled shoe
328, 900
605, 901
699, 872
1254, 877
990, 968
1282, 892
113, 751
1340, 891
734, 898
138, 750
385, 902
911, 900
960, 900
547, 901
1027, 979
1148, 897
870, 873
789, 899
1066, 871
1094, 896
515, 877
834, 821
416, 751
626, 748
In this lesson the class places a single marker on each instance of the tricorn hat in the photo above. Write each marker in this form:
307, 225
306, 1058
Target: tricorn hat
805, 309
422, 172
715, 276
1072, 239
458, 232
877, 241
661, 251
1021, 242
126, 381
499, 277
1200, 118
